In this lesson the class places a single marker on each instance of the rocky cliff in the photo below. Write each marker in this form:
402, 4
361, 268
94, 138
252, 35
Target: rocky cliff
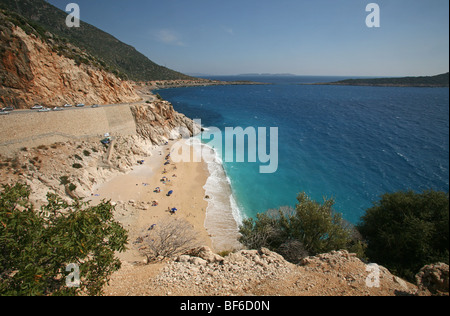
261, 273
159, 122
38, 69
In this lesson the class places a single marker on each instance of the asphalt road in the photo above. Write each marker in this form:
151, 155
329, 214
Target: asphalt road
73, 108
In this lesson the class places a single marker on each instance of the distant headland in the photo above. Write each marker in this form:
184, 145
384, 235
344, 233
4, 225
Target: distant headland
424, 81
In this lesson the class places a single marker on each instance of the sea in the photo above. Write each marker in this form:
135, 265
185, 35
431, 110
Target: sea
347, 143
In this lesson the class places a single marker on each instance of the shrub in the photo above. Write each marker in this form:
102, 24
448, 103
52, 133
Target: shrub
406, 231
86, 153
37, 246
309, 229
64, 180
169, 238
77, 166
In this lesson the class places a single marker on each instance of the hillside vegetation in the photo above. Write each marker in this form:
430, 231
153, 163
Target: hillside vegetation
120, 58
441, 80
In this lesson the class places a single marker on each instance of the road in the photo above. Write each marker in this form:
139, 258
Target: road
150, 98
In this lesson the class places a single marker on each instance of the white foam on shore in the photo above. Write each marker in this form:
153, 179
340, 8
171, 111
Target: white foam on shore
223, 216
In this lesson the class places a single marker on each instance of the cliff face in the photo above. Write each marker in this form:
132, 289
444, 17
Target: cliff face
159, 122
32, 71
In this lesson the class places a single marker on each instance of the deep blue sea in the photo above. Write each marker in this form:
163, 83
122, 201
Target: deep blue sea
352, 144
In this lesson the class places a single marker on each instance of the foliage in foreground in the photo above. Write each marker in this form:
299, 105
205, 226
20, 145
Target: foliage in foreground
38, 246
406, 231
309, 229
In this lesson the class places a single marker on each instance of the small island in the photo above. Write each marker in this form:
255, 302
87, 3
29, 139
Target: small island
430, 81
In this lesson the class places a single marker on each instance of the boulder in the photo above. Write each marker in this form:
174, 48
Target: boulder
433, 278
206, 253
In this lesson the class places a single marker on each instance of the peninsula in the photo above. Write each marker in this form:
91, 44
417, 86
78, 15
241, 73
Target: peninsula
441, 80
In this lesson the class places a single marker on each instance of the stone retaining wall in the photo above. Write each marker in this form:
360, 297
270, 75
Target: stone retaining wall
32, 129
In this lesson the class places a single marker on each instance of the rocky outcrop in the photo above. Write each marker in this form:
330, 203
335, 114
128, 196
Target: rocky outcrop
433, 279
205, 273
159, 122
32, 71
263, 272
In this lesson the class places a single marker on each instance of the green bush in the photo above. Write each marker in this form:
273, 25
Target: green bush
309, 229
72, 187
77, 166
406, 231
37, 246
64, 180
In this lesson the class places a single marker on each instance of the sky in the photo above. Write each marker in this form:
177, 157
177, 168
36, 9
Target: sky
302, 37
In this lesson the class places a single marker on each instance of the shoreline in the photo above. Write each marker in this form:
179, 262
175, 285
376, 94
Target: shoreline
223, 216
133, 194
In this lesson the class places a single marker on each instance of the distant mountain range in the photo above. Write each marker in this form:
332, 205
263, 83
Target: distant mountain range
431, 81
114, 55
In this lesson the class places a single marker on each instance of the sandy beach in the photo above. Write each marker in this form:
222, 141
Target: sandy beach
134, 194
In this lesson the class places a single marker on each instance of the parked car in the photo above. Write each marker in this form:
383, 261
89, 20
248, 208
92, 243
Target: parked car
57, 109
44, 110
4, 113
67, 105
95, 106
81, 105
8, 109
37, 107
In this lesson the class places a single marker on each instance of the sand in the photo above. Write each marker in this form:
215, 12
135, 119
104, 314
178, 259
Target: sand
135, 190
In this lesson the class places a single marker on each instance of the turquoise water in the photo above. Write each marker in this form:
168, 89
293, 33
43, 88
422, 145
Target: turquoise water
348, 143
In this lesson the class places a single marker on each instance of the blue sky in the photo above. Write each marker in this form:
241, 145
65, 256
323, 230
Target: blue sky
303, 37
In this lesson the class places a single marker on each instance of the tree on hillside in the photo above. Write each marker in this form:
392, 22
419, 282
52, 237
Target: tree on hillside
309, 229
61, 249
406, 231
